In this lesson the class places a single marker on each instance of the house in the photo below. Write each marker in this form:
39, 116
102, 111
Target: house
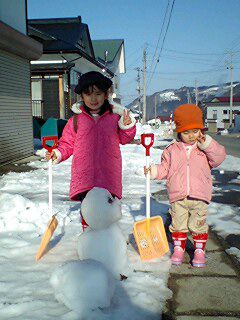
218, 112
16, 51
67, 53
111, 53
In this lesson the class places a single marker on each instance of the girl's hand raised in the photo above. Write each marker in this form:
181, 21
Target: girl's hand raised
126, 117
201, 138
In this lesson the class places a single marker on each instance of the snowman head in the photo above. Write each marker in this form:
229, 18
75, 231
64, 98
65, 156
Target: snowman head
100, 209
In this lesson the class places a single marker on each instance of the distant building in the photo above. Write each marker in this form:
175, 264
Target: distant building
218, 113
111, 54
67, 53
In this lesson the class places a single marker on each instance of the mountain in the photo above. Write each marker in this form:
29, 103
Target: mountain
167, 100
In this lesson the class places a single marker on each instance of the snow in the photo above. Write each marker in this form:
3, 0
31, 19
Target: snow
100, 209
26, 291
163, 134
103, 240
209, 90
83, 286
234, 251
107, 246
168, 96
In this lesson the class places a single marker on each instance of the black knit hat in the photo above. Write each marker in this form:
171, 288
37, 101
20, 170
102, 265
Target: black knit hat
92, 78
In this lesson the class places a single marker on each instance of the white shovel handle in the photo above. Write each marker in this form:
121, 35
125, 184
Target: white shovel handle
50, 201
147, 140
148, 188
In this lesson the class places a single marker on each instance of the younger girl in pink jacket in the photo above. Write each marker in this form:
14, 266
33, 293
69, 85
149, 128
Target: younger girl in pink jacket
93, 136
186, 165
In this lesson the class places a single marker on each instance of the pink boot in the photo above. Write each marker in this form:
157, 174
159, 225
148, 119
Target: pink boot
179, 241
200, 241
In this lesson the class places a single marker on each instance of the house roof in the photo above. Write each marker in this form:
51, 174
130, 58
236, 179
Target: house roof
112, 46
225, 99
64, 35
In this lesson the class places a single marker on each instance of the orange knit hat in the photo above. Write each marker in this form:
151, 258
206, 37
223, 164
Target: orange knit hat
188, 117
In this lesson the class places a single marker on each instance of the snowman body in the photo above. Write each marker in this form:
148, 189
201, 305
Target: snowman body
103, 241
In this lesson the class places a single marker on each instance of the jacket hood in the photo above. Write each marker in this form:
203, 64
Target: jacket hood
117, 108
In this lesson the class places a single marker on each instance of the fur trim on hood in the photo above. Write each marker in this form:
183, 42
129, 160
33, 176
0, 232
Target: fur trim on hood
117, 108
76, 107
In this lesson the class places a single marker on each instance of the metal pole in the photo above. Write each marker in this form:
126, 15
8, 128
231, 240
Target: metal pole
188, 96
155, 109
231, 92
144, 85
196, 92
139, 92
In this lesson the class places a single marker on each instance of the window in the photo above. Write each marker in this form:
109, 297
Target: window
214, 114
225, 111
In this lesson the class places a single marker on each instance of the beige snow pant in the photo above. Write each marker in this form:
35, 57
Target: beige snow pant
189, 215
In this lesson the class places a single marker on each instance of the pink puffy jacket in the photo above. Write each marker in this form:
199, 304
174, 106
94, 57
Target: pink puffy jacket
189, 176
97, 160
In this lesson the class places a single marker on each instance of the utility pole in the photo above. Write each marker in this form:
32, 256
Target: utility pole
155, 109
144, 86
139, 92
231, 89
188, 96
196, 92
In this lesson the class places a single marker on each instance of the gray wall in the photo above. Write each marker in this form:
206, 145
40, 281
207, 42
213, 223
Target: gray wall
16, 135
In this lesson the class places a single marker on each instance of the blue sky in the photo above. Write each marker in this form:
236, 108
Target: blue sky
200, 34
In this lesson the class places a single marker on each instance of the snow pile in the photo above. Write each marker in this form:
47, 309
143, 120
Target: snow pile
83, 286
234, 251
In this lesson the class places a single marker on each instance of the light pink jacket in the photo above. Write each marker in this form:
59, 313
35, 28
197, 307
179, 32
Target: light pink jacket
97, 160
189, 176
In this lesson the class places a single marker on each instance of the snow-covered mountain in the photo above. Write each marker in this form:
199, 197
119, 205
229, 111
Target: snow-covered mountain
167, 100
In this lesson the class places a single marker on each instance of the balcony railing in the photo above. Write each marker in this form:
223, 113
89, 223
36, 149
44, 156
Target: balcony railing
37, 108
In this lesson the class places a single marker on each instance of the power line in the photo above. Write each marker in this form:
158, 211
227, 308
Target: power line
187, 72
197, 54
164, 38
164, 19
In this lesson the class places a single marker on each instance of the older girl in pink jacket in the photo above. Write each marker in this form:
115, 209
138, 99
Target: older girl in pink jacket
93, 136
186, 165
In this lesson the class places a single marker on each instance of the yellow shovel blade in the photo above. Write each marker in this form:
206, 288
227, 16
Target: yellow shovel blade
46, 237
151, 238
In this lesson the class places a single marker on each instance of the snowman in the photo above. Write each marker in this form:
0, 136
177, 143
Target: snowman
87, 285
103, 240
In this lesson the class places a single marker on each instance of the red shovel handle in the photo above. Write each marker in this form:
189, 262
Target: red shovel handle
54, 139
147, 140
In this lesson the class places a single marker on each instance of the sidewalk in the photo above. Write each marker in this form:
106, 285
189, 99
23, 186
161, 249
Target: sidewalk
19, 166
205, 293
212, 292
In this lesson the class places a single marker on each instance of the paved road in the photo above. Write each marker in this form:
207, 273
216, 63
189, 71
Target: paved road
232, 144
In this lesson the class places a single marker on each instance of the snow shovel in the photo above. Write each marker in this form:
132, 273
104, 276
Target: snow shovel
149, 233
52, 225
